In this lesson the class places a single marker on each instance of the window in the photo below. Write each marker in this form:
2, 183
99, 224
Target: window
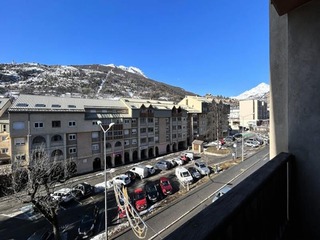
19, 141
71, 106
134, 121
174, 127
134, 131
134, 141
56, 124
143, 130
18, 125
150, 139
3, 138
143, 140
95, 147
126, 142
21, 157
142, 120
95, 123
38, 124
174, 135
56, 106
72, 123
126, 132
150, 130
4, 150
72, 136
95, 135
72, 150
40, 105
150, 120
117, 133
127, 121
22, 104
4, 128
56, 138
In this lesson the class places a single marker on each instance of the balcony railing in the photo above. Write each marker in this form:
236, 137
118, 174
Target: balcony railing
256, 208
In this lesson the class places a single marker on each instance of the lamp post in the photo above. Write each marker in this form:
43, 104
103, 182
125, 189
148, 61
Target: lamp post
242, 158
105, 174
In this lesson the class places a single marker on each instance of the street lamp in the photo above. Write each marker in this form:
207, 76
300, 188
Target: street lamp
105, 174
242, 158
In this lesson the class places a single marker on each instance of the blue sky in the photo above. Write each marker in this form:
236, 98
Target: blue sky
207, 46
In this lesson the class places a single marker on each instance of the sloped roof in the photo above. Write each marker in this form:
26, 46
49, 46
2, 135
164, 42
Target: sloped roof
49, 103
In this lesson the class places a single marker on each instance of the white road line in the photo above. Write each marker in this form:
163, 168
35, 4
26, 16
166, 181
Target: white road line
210, 196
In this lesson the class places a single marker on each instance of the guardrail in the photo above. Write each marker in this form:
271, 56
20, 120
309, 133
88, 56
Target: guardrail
257, 208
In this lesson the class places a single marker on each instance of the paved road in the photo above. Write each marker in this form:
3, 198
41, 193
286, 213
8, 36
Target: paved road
184, 208
25, 224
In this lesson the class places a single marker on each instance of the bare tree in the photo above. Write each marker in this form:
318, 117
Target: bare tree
39, 181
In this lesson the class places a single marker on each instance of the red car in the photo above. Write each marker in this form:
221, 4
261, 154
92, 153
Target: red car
184, 158
165, 186
140, 199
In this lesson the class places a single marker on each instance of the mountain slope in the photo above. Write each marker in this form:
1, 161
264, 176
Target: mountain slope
92, 81
259, 92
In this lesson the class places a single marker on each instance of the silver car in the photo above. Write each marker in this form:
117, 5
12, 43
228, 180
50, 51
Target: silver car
202, 168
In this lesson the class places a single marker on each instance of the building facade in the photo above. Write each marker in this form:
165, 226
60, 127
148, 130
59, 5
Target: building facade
252, 113
67, 129
207, 118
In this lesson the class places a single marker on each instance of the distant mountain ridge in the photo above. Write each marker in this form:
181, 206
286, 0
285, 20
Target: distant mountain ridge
91, 81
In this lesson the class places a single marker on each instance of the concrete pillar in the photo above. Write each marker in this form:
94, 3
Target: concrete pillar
295, 111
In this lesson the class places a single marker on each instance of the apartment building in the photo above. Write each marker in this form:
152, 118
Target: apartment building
252, 113
207, 118
4, 131
68, 131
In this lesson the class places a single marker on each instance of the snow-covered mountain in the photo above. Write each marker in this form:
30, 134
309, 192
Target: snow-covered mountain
134, 70
259, 92
87, 81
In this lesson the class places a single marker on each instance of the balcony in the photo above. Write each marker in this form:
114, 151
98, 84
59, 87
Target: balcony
257, 208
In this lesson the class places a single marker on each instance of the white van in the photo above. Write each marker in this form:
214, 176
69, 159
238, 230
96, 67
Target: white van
184, 175
141, 170
189, 155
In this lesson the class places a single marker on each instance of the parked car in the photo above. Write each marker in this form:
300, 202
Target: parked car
194, 173
121, 213
250, 143
87, 224
184, 158
42, 234
152, 192
179, 161
189, 155
131, 175
151, 169
202, 168
229, 138
63, 195
165, 186
81, 190
172, 162
162, 165
121, 179
140, 199
238, 136
221, 192
259, 140
141, 170
183, 175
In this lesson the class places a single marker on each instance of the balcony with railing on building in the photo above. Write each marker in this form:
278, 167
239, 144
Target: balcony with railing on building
256, 208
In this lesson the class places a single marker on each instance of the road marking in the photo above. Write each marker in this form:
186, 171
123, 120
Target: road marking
196, 206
